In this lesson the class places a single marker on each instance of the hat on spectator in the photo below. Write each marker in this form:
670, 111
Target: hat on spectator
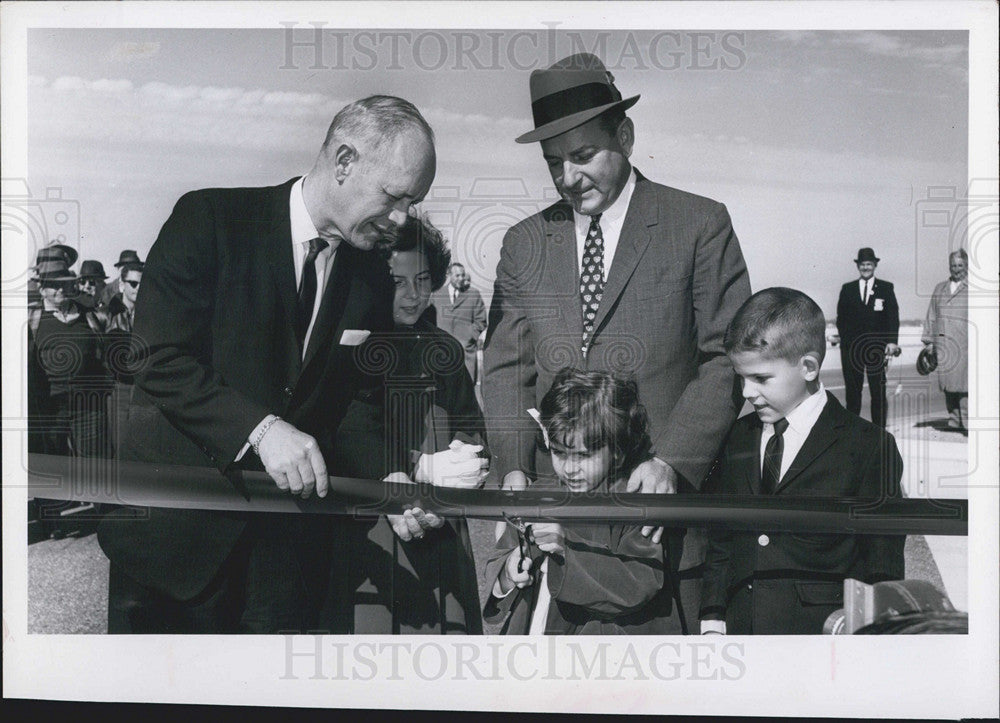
92, 269
128, 257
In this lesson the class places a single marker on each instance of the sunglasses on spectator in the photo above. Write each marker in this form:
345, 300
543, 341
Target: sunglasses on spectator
86, 282
132, 283
58, 285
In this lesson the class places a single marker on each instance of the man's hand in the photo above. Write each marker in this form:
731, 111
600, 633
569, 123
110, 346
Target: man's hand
549, 537
929, 345
458, 466
892, 350
653, 476
293, 460
414, 523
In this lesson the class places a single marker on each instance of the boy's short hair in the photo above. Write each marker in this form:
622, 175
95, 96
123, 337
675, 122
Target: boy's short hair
780, 323
605, 409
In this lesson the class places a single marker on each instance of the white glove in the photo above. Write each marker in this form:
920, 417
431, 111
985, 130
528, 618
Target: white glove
458, 466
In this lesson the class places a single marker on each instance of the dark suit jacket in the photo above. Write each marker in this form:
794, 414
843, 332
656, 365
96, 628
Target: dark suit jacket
214, 332
876, 322
785, 583
465, 319
676, 281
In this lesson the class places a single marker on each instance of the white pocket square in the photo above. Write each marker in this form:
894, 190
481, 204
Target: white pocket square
353, 337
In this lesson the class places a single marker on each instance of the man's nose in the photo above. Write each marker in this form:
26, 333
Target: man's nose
397, 216
571, 174
749, 390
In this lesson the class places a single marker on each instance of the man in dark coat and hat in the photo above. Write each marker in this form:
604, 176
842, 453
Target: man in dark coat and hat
868, 330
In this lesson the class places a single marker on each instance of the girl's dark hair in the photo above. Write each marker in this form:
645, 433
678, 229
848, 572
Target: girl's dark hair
605, 410
418, 233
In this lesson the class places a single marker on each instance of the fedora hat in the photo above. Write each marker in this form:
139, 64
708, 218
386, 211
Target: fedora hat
866, 254
53, 270
569, 93
56, 252
92, 269
926, 361
128, 256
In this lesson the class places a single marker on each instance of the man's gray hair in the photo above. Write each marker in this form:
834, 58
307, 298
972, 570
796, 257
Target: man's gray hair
960, 253
375, 121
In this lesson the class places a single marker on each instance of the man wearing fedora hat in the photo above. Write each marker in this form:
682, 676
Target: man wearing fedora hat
868, 332
621, 275
66, 328
91, 280
54, 251
126, 258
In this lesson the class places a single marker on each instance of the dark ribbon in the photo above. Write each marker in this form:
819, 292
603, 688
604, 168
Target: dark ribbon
155, 485
566, 102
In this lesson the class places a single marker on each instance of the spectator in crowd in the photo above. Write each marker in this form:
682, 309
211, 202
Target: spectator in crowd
116, 288
418, 400
119, 355
946, 335
92, 281
54, 251
868, 333
461, 312
66, 339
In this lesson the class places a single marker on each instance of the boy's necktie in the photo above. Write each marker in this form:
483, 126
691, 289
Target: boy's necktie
772, 459
307, 289
592, 277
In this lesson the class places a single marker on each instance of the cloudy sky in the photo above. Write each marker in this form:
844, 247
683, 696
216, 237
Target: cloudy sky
819, 142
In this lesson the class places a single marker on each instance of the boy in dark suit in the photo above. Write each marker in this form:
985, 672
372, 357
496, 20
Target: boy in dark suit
799, 441
868, 328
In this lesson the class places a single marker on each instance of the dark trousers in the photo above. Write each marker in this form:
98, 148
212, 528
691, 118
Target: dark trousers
858, 361
274, 581
957, 404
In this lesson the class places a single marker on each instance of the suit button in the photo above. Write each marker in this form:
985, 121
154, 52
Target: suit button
288, 391
763, 540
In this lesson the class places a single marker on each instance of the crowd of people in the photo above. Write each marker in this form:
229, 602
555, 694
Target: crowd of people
306, 329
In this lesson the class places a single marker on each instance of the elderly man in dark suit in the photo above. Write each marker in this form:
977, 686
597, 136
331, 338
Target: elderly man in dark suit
252, 303
461, 312
868, 332
622, 275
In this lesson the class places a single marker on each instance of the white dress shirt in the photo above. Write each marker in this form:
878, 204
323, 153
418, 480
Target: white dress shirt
865, 286
800, 423
303, 231
612, 221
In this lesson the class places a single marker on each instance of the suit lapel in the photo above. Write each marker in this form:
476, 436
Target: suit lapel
823, 434
560, 255
335, 294
640, 218
279, 255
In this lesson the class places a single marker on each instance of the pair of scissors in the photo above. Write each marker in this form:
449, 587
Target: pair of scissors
523, 538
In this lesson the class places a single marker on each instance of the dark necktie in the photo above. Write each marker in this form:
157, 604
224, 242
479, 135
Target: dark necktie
592, 277
307, 289
772, 459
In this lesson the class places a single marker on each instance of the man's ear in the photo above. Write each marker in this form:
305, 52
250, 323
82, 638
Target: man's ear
809, 365
626, 135
344, 160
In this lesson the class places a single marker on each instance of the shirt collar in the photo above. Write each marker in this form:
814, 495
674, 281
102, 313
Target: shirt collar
804, 416
303, 228
616, 211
